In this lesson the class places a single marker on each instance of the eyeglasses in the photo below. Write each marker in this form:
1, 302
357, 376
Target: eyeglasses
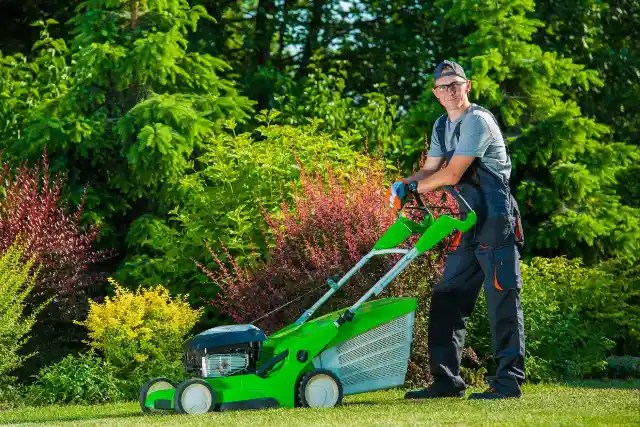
445, 88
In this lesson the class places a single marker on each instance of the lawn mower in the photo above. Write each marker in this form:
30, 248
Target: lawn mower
311, 363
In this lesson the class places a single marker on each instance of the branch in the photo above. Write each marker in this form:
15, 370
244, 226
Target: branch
288, 60
134, 13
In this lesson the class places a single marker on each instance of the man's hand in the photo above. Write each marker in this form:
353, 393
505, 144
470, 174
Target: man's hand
429, 178
399, 192
400, 189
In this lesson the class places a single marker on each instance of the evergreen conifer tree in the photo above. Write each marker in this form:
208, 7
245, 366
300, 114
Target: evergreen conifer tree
137, 108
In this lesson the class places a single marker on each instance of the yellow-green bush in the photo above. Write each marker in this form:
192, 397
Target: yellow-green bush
17, 280
141, 333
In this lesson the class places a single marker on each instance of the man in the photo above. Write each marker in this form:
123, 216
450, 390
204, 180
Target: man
479, 166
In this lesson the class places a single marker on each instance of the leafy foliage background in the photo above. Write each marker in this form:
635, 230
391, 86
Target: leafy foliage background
176, 122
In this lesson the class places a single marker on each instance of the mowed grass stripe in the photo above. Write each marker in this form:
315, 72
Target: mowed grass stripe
588, 403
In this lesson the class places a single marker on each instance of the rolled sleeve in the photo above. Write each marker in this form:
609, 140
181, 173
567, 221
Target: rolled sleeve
475, 137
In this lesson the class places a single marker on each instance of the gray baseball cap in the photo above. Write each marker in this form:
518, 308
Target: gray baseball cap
456, 70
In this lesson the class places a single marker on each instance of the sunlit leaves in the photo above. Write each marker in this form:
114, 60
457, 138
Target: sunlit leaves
566, 167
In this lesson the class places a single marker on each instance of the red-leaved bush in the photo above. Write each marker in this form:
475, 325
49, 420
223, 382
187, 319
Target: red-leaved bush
54, 236
330, 227
332, 224
31, 207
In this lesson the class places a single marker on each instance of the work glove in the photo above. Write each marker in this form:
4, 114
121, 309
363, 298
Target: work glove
399, 192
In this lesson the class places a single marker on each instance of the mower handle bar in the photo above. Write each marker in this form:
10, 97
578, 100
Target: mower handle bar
408, 256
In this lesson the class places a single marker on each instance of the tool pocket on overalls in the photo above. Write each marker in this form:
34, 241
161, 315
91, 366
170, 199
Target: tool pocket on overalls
506, 269
518, 232
454, 243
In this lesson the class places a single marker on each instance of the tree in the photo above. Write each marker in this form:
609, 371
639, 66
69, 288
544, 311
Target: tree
603, 36
392, 46
17, 15
27, 84
139, 108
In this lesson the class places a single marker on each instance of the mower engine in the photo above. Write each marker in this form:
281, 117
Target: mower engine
223, 351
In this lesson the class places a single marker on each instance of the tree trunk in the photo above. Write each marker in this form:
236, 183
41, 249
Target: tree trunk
283, 29
311, 44
265, 28
134, 13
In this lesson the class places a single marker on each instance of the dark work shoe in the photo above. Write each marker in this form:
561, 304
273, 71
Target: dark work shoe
491, 394
430, 393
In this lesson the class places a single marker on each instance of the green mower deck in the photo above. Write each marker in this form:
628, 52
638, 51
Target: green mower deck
298, 345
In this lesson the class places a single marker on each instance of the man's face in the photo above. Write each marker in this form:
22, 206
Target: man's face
452, 91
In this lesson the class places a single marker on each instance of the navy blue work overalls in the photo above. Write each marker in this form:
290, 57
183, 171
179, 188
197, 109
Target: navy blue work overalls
485, 255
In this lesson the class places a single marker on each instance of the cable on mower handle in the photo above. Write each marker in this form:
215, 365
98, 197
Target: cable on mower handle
451, 189
413, 190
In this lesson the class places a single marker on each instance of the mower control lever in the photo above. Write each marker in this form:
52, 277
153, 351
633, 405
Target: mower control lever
262, 370
347, 316
332, 282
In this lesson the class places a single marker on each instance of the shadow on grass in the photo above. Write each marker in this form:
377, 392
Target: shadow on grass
21, 419
630, 384
367, 403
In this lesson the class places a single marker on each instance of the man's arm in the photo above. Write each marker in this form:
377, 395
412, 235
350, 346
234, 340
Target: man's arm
430, 167
475, 137
448, 176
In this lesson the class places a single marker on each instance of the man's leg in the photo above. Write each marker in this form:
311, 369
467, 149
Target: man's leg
453, 299
502, 286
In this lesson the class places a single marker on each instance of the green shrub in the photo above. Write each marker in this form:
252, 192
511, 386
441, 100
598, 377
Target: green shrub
17, 281
12, 392
237, 176
372, 118
32, 206
141, 333
573, 317
623, 367
85, 379
617, 303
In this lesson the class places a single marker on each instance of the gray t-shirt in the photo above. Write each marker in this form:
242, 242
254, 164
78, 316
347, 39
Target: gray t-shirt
480, 136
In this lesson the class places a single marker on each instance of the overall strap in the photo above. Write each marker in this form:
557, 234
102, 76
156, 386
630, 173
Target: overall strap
441, 126
471, 175
440, 129
515, 209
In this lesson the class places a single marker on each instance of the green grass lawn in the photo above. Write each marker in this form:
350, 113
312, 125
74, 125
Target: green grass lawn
612, 403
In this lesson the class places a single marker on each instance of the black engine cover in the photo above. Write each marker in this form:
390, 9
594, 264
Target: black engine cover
225, 335
243, 339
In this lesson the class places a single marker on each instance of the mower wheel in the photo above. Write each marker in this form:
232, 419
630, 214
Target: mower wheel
320, 388
194, 396
152, 385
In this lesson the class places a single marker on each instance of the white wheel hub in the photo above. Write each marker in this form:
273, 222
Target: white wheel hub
196, 399
322, 392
